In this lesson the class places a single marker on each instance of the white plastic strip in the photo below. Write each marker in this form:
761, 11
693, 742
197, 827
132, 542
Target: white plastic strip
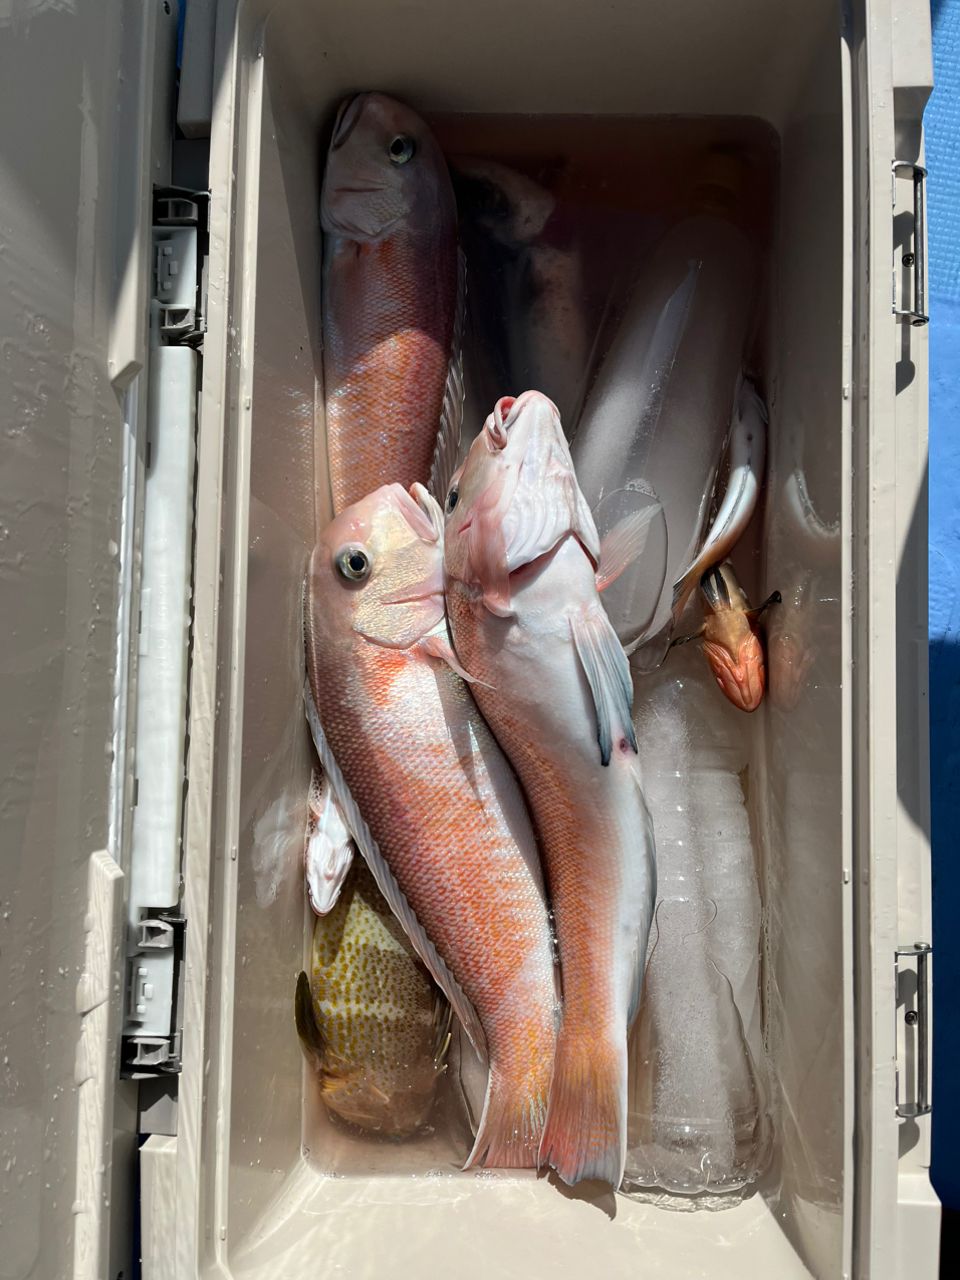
162, 677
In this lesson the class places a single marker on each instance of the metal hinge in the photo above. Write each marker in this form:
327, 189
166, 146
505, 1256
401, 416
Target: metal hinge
914, 260
913, 1030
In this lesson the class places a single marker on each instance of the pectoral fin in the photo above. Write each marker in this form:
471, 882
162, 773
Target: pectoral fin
608, 674
311, 1038
438, 646
387, 884
624, 544
328, 849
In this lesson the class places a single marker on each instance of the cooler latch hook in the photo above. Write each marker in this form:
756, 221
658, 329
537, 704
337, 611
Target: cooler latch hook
916, 260
916, 1019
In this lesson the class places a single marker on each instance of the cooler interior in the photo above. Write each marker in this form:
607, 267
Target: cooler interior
294, 1195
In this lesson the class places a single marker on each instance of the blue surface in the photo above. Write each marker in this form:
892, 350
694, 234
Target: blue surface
942, 124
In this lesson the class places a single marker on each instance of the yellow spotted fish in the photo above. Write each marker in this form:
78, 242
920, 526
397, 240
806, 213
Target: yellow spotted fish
369, 1017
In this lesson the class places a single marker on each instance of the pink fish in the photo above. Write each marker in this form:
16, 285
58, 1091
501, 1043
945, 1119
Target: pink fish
554, 684
732, 642
392, 302
732, 638
430, 798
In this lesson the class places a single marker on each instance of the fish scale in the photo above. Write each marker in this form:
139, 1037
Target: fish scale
442, 815
390, 291
553, 683
380, 1024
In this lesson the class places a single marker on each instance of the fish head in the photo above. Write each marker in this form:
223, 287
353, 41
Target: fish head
377, 570
732, 643
721, 591
514, 499
510, 207
383, 168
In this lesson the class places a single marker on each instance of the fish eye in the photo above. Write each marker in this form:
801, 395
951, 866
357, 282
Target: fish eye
401, 149
353, 563
453, 497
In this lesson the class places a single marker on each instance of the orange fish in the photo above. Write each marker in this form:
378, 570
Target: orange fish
392, 302
430, 799
732, 643
553, 682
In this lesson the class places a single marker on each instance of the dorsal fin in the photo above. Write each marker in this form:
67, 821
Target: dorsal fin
387, 884
447, 448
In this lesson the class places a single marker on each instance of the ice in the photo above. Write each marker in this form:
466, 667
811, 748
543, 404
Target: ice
698, 1117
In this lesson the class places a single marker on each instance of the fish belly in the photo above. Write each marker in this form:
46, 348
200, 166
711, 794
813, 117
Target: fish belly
422, 768
593, 829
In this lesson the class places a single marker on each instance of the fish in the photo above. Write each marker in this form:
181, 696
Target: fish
658, 412
526, 284
522, 557
430, 799
371, 1022
746, 455
393, 299
732, 641
328, 849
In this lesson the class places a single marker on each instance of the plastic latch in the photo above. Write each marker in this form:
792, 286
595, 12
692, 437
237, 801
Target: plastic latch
179, 249
154, 934
151, 1040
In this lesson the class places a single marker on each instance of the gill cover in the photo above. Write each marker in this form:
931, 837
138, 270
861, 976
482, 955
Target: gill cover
529, 500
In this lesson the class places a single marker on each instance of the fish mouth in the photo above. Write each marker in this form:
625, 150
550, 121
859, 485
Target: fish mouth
347, 116
508, 410
421, 511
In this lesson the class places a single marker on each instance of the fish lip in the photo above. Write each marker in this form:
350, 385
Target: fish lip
508, 410
430, 507
349, 113
502, 411
418, 509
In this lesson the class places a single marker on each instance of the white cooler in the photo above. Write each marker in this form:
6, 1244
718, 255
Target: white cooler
162, 426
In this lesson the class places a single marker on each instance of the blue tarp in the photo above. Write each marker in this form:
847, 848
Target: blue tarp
943, 161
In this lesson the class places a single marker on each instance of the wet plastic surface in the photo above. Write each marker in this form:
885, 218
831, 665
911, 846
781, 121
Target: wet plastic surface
571, 263
264, 1193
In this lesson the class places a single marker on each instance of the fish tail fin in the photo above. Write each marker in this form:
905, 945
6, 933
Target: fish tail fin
682, 590
511, 1124
585, 1135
